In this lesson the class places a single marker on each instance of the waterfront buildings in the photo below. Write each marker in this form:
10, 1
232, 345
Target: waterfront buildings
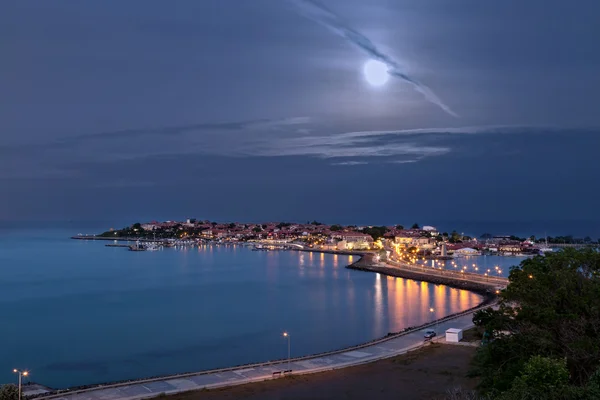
426, 240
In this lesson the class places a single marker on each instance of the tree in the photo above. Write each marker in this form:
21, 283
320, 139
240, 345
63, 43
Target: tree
335, 228
137, 226
376, 231
414, 226
257, 229
455, 237
399, 227
412, 249
9, 392
549, 308
542, 378
486, 236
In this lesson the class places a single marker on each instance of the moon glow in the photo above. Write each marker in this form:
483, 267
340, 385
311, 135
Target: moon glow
376, 72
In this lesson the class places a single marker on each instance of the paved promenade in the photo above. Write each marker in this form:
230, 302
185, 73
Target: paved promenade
220, 378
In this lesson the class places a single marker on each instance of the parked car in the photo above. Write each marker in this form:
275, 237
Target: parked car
429, 334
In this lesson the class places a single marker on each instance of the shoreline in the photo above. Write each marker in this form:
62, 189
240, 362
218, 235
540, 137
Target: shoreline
364, 263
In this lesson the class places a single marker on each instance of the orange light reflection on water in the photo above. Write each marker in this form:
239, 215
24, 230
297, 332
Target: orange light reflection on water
403, 296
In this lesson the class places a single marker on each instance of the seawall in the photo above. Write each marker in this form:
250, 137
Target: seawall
367, 264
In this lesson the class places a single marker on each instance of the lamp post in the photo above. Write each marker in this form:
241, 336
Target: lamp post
432, 310
287, 335
21, 375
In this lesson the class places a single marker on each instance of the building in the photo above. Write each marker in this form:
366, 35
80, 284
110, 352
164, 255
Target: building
354, 241
467, 251
431, 230
454, 335
413, 237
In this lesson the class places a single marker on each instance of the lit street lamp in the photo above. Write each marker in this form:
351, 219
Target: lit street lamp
21, 375
432, 310
287, 335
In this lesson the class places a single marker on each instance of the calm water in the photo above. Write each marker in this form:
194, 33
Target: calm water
78, 312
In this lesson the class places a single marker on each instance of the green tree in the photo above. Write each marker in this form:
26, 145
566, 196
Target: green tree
414, 226
551, 308
376, 231
9, 392
486, 236
542, 378
399, 227
335, 228
455, 237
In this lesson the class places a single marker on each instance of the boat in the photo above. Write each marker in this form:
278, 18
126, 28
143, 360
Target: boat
137, 247
545, 248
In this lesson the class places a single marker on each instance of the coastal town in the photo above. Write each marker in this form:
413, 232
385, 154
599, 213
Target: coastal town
426, 241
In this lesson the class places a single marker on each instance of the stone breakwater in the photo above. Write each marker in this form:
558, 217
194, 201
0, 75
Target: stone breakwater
366, 263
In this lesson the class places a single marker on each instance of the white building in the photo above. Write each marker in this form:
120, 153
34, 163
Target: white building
431, 230
467, 251
454, 335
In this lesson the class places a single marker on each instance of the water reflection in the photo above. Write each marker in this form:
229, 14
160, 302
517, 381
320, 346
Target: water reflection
407, 298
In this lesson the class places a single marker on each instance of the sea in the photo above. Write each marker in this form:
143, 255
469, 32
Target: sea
77, 312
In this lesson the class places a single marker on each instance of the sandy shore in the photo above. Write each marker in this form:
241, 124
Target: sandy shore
423, 374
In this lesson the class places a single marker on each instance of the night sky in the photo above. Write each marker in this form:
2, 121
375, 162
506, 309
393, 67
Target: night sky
234, 110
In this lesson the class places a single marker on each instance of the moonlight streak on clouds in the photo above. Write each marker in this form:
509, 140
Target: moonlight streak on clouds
315, 11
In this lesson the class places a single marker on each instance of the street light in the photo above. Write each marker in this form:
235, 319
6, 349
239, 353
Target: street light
21, 375
432, 310
287, 335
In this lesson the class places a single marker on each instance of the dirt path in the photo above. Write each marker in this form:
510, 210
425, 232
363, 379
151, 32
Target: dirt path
423, 374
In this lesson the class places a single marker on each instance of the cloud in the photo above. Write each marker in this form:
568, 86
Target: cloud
403, 161
267, 138
350, 163
315, 11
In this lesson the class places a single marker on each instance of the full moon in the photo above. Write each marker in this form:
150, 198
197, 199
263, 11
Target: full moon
376, 72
